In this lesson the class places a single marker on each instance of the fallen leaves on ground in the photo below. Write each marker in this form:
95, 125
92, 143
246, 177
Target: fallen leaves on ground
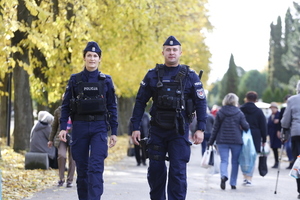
18, 183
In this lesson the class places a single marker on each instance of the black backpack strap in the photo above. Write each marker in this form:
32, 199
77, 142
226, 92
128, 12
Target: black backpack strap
183, 71
160, 73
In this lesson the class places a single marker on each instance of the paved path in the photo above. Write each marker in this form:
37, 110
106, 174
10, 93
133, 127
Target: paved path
126, 181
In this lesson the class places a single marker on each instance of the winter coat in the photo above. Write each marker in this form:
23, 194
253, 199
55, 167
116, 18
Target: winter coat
39, 139
257, 122
291, 115
272, 131
227, 126
55, 128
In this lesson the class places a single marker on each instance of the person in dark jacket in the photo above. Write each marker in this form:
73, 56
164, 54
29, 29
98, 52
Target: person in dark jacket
274, 132
228, 136
138, 153
258, 126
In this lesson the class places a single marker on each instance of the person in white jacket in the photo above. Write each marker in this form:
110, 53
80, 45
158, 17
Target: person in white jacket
291, 120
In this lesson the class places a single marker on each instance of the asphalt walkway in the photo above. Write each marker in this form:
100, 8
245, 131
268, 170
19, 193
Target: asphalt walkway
126, 181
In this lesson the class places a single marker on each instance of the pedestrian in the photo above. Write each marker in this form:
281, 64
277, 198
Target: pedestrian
90, 98
227, 133
274, 132
288, 143
39, 138
175, 90
208, 130
140, 156
63, 149
258, 126
291, 120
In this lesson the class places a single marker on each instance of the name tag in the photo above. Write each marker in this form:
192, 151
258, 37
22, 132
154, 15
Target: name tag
90, 88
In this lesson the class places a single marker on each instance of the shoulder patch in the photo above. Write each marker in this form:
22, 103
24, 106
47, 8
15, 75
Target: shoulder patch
200, 93
198, 83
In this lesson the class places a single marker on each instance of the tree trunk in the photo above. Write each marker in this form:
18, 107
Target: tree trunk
3, 108
22, 107
125, 106
23, 114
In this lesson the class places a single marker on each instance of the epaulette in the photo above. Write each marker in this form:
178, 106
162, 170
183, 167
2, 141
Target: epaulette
151, 69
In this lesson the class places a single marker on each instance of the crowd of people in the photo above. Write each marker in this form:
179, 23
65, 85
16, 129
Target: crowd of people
78, 131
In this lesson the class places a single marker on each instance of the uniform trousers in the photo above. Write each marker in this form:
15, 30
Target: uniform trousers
177, 148
89, 149
63, 148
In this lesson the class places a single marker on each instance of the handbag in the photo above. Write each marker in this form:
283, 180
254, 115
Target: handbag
262, 163
248, 154
208, 158
130, 151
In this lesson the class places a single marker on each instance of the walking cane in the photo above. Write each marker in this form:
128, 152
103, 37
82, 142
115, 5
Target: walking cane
282, 145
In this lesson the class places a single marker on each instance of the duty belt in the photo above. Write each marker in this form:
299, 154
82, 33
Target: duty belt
89, 117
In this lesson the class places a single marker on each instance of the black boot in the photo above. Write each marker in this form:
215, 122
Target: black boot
223, 180
290, 165
275, 166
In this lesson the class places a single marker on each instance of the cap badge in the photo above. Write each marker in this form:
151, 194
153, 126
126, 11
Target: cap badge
93, 49
171, 42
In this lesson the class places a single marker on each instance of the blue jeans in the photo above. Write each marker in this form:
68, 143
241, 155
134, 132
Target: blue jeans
235, 150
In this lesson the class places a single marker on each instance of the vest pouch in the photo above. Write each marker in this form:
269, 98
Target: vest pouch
165, 118
91, 106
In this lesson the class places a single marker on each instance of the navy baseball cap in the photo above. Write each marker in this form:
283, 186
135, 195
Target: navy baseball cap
92, 46
171, 41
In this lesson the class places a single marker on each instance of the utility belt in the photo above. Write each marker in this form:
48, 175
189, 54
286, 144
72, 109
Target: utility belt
89, 117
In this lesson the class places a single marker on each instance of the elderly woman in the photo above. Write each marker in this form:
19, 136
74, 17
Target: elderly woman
39, 137
291, 120
228, 136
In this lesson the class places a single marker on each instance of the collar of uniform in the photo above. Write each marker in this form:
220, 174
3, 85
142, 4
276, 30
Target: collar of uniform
92, 74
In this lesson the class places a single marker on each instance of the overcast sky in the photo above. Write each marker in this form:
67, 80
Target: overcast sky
242, 28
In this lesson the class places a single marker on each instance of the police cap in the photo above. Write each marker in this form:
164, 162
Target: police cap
171, 41
92, 46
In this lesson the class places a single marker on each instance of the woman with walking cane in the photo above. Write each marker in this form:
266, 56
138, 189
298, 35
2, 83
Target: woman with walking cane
291, 120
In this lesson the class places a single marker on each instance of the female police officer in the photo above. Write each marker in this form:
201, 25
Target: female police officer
91, 102
174, 89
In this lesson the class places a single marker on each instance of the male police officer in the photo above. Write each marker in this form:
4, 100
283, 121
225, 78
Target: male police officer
90, 100
175, 90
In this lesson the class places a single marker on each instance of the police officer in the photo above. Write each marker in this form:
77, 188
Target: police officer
91, 102
175, 90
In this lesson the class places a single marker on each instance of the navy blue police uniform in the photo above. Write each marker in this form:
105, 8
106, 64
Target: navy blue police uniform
169, 125
91, 102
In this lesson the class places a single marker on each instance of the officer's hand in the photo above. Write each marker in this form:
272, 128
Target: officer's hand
198, 137
136, 137
50, 144
63, 135
112, 141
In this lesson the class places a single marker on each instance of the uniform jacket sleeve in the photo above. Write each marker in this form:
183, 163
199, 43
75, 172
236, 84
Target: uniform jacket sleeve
143, 96
112, 106
199, 98
65, 108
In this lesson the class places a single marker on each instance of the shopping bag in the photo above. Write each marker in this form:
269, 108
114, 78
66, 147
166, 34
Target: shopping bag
262, 164
216, 168
295, 171
207, 158
248, 153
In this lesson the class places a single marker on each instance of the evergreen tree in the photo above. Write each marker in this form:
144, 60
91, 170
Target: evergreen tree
230, 80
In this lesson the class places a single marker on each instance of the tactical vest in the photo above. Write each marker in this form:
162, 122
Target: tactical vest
170, 100
90, 99
170, 94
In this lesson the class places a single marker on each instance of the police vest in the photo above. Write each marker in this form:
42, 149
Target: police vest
170, 93
90, 99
